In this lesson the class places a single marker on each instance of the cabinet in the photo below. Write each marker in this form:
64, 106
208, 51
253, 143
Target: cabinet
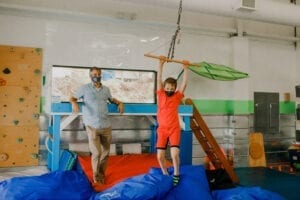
266, 112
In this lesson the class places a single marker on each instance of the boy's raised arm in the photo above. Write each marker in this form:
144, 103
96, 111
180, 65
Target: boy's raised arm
185, 75
162, 60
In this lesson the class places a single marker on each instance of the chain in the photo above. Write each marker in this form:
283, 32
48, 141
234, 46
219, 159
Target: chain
174, 37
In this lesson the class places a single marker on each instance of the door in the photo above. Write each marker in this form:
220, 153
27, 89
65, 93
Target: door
266, 112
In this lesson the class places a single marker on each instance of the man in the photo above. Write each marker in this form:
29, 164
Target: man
95, 117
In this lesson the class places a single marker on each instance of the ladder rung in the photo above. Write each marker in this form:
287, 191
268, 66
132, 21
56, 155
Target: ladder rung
209, 151
194, 128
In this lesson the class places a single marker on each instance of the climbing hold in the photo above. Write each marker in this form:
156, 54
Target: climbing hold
3, 157
16, 122
11, 49
21, 99
2, 82
34, 156
27, 89
20, 140
44, 80
38, 51
36, 116
6, 71
37, 71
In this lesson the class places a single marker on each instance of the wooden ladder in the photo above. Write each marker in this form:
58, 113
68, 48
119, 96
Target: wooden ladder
209, 144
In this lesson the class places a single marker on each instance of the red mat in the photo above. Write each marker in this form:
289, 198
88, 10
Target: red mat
120, 167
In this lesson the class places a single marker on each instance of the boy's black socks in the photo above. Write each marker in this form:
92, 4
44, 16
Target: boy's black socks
175, 180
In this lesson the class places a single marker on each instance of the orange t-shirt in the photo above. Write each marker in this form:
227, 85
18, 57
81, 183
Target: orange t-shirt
167, 110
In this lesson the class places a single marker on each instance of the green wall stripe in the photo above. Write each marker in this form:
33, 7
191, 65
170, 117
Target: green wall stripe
211, 106
287, 107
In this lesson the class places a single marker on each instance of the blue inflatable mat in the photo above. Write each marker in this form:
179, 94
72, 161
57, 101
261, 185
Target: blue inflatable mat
154, 185
66, 185
193, 186
73, 185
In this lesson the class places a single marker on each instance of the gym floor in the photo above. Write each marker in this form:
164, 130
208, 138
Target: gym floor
6, 173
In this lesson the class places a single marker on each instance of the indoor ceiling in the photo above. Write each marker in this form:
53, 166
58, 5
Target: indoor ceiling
284, 12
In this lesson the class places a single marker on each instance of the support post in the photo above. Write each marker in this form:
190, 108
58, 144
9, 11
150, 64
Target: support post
56, 142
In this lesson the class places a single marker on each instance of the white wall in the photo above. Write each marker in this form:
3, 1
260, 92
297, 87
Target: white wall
106, 42
273, 67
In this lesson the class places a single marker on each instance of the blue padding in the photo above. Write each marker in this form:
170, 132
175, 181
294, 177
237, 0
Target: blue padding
246, 193
67, 160
193, 184
67, 185
153, 185
73, 185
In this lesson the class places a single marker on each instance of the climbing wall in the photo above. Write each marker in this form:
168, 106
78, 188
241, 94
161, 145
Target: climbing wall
20, 89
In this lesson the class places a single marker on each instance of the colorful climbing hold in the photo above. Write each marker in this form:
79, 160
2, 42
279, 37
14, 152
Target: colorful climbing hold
6, 71
20, 140
38, 51
3, 157
44, 80
2, 82
27, 90
36, 116
37, 71
34, 156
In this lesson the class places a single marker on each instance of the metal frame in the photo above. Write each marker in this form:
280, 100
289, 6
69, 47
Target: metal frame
52, 142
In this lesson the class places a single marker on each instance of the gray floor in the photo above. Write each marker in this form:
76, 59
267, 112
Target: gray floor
6, 173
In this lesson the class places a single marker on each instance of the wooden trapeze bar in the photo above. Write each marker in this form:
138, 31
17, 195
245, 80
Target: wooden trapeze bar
169, 60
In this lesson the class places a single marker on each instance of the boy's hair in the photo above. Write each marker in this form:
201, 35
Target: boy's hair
171, 81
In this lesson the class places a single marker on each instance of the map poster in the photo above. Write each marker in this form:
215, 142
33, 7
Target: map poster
129, 86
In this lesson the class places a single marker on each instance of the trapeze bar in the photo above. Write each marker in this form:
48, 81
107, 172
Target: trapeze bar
168, 59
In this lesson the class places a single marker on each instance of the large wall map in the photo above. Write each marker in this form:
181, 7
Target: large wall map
129, 86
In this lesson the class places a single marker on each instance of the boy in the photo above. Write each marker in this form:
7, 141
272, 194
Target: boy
167, 117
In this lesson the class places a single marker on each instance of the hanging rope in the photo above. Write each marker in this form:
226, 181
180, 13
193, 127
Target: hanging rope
174, 37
